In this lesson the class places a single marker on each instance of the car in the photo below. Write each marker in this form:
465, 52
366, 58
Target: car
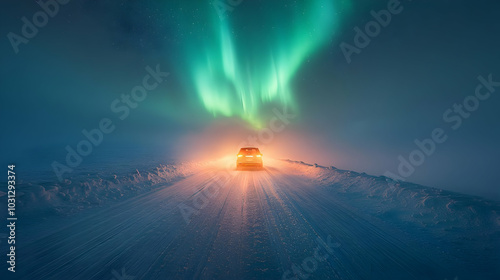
249, 156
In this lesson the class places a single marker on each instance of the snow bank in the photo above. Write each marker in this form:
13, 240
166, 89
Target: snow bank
406, 203
97, 188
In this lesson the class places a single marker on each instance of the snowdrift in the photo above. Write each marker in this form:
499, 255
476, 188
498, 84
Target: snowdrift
406, 204
96, 188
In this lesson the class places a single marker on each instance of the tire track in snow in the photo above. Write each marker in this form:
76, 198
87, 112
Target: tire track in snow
257, 226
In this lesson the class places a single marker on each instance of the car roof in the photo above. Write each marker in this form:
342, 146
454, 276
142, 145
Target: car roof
250, 148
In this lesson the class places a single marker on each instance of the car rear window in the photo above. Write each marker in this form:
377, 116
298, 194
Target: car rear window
249, 151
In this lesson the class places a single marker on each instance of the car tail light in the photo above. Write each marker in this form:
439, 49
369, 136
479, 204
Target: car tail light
240, 155
259, 155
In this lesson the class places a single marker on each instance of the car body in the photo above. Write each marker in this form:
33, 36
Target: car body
249, 156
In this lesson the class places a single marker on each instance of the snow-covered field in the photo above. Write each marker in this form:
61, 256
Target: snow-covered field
97, 188
291, 220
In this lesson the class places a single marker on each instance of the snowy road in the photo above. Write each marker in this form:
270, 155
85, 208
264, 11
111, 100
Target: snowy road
253, 224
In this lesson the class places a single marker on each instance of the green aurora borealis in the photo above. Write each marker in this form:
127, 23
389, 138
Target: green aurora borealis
238, 69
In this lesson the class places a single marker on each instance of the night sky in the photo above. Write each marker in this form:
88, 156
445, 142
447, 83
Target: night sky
231, 67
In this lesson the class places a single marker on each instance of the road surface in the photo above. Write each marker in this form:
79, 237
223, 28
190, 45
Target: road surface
221, 223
